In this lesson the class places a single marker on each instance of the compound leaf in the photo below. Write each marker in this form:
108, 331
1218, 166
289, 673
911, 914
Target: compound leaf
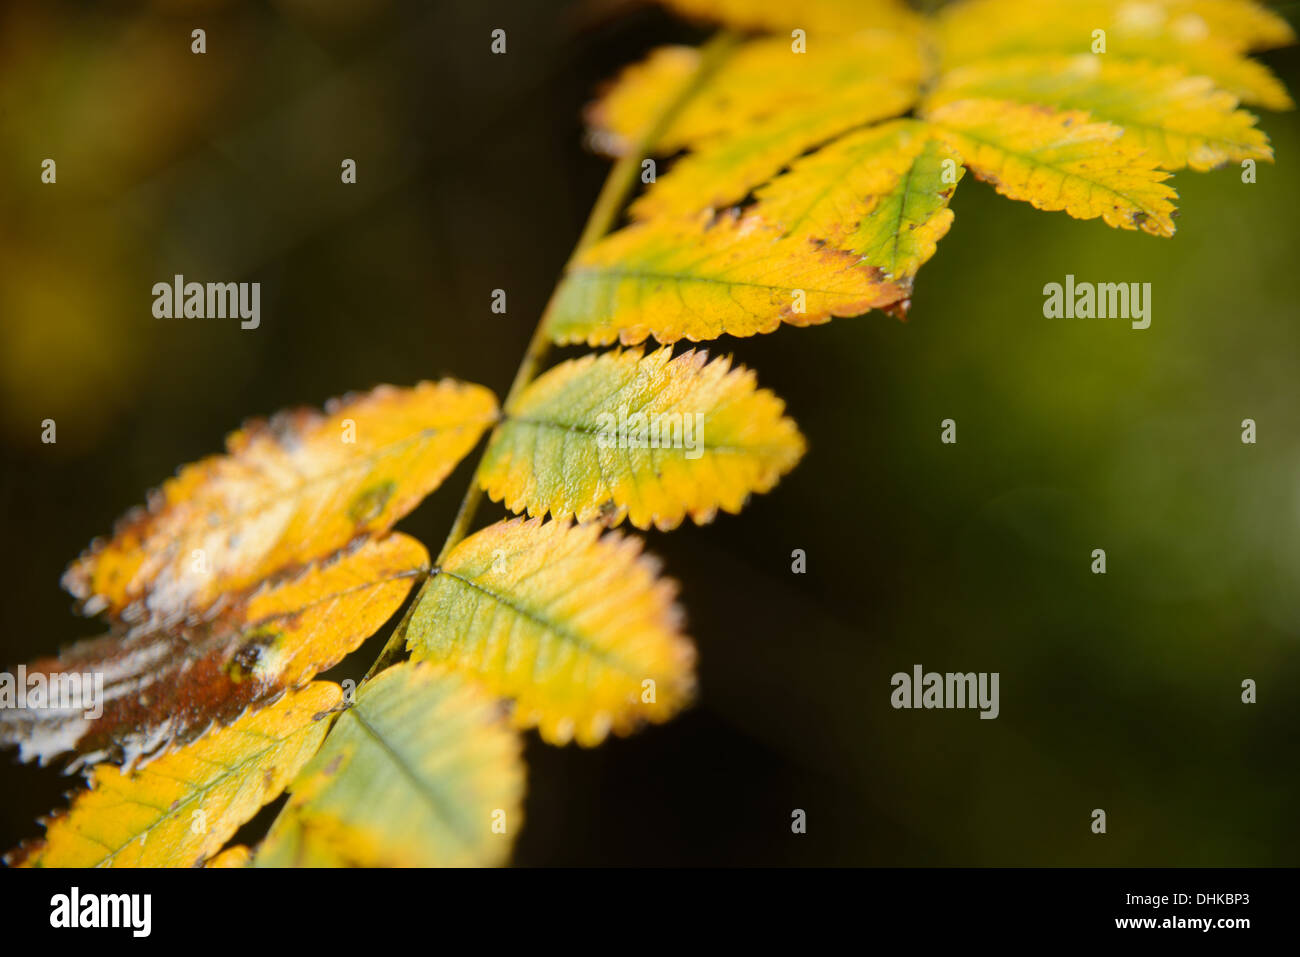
184, 807
652, 438
576, 627
1074, 105
290, 491
421, 771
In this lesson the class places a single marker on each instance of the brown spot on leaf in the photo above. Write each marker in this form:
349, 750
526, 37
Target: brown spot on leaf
370, 502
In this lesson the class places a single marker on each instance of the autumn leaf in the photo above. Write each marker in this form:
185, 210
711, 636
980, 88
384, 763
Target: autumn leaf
881, 193
624, 115
1203, 37
577, 628
237, 856
722, 172
796, 180
1058, 160
1176, 119
184, 807
164, 686
290, 491
790, 178
421, 771
698, 279
569, 446
759, 110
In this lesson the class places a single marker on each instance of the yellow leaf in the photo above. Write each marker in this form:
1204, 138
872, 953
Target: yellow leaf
881, 193
577, 628
1059, 160
706, 438
422, 771
749, 116
289, 491
975, 29
756, 80
697, 279
165, 686
1179, 120
1205, 37
722, 171
625, 112
237, 856
184, 807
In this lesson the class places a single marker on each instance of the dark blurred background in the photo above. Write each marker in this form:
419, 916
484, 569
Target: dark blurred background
1119, 692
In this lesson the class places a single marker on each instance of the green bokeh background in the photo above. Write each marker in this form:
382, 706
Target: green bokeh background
1119, 692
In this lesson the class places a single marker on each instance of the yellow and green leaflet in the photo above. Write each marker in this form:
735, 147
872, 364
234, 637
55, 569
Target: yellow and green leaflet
881, 193
1204, 37
722, 172
288, 492
1059, 160
697, 279
1177, 119
648, 437
758, 80
184, 807
421, 771
575, 626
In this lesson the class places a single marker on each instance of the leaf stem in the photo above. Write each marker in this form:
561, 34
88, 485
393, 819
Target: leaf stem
613, 196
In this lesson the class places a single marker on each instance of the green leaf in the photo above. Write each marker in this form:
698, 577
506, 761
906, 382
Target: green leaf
653, 438
421, 771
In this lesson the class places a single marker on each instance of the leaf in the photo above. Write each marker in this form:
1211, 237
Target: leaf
422, 771
695, 279
237, 856
1204, 37
187, 805
753, 113
721, 172
880, 193
166, 686
290, 491
779, 141
624, 114
1059, 160
756, 80
577, 628
1178, 119
565, 446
